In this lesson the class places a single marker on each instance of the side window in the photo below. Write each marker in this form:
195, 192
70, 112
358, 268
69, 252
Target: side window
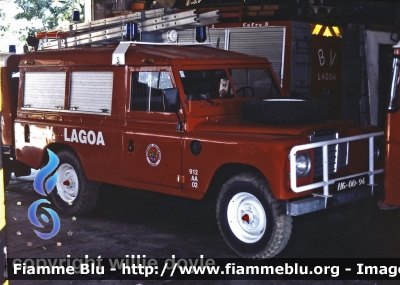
91, 91
147, 90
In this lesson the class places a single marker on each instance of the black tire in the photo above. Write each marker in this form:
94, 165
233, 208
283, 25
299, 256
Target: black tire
285, 111
251, 194
74, 194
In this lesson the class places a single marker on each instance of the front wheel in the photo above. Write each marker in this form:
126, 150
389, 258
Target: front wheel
74, 194
251, 220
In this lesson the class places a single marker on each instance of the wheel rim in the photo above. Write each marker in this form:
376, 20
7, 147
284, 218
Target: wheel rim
67, 183
246, 217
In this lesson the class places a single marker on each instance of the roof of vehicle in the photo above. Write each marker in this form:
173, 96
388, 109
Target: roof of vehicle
140, 55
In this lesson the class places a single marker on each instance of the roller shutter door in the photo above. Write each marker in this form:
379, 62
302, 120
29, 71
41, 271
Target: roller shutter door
44, 90
91, 92
265, 42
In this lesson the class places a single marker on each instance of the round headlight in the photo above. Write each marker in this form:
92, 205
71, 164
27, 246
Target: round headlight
303, 165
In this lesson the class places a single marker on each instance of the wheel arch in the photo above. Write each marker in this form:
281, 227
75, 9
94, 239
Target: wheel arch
57, 147
226, 171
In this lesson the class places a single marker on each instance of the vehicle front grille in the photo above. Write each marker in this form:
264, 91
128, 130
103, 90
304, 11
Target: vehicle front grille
337, 153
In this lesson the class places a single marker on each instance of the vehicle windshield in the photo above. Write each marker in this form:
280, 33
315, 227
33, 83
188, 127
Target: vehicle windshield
221, 83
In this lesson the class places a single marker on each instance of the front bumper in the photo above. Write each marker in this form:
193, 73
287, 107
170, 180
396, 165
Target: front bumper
326, 179
317, 203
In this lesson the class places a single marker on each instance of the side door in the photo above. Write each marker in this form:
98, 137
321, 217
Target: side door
151, 142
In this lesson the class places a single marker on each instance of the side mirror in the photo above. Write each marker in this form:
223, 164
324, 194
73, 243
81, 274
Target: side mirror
171, 100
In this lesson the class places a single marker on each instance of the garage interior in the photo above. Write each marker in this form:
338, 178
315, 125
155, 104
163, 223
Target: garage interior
366, 30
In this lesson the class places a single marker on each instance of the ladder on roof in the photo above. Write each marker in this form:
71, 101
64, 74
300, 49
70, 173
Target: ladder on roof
112, 30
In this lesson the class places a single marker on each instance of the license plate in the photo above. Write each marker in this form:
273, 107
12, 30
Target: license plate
351, 183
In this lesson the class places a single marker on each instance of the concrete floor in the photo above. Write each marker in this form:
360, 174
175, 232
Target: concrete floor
133, 222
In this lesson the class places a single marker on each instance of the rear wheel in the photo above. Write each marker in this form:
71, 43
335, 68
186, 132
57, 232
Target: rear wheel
251, 220
74, 193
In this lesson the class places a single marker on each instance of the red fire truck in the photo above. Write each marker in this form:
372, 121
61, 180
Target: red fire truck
183, 120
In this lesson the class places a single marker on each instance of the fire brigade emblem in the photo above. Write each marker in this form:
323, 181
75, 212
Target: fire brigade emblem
153, 155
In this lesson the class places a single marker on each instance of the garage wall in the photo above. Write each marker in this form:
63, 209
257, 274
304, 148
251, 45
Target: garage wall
104, 9
373, 40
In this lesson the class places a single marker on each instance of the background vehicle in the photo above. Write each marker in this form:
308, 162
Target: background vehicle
392, 137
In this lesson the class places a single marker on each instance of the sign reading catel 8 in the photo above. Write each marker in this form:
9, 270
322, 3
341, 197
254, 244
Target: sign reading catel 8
183, 120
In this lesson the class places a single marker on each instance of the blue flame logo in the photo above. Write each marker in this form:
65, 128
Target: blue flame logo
44, 172
32, 217
49, 184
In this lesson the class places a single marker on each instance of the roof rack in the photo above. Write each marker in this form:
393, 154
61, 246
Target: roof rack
118, 57
112, 30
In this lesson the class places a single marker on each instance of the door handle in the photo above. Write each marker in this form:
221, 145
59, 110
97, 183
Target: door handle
131, 146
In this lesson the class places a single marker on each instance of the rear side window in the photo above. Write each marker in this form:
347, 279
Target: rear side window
146, 90
44, 90
91, 92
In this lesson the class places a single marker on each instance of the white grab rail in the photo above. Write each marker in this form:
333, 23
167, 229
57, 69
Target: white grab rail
325, 177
